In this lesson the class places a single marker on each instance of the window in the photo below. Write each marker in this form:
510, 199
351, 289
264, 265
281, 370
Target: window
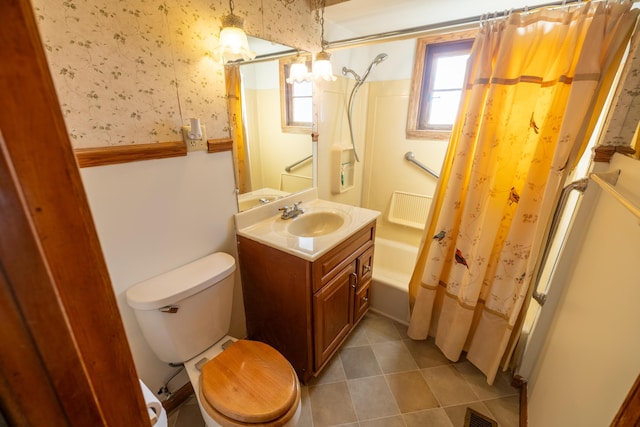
296, 101
436, 87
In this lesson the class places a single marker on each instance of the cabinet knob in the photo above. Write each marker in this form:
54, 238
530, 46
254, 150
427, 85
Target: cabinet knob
366, 268
365, 299
354, 284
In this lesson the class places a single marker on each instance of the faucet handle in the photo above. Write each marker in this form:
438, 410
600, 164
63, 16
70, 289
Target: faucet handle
296, 204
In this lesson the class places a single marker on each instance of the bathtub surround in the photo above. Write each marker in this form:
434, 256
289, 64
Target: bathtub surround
379, 120
513, 144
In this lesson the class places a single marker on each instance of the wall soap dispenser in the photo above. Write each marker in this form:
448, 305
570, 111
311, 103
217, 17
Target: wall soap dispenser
343, 162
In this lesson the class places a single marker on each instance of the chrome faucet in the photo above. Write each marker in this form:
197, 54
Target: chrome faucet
289, 212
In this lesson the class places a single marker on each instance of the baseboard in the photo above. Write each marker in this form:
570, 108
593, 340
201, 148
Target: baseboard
178, 397
521, 384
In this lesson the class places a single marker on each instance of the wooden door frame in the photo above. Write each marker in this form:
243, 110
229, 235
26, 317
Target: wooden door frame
65, 359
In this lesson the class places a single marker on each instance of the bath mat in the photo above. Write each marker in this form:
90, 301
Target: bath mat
476, 419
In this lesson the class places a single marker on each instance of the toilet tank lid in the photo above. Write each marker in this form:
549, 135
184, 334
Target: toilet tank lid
175, 285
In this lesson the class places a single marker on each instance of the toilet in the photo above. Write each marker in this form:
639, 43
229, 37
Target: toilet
185, 315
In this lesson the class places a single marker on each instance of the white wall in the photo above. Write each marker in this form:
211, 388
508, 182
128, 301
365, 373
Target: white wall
155, 215
590, 357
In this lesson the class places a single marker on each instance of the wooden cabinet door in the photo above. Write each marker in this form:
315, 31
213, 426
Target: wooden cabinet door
333, 313
362, 301
364, 268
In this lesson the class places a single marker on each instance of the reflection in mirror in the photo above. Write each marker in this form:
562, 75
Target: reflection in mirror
271, 159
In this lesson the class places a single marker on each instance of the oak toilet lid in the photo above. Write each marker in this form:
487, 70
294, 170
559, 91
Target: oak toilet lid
250, 382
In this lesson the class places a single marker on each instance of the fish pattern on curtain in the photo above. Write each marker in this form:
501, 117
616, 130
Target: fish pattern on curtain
534, 85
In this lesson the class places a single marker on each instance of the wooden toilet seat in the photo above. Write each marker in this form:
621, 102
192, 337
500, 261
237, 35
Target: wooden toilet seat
250, 383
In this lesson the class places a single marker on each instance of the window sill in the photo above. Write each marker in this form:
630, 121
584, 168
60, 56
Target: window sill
439, 135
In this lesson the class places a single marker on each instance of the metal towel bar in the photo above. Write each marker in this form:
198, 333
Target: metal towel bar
412, 158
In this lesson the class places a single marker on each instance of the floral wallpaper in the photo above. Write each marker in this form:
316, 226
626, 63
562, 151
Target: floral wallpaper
135, 72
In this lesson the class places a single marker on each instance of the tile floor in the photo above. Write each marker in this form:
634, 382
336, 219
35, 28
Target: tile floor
381, 378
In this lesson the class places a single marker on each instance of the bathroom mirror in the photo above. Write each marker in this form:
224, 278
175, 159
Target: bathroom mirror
269, 163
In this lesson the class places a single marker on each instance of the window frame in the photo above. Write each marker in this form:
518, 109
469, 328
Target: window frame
286, 100
420, 82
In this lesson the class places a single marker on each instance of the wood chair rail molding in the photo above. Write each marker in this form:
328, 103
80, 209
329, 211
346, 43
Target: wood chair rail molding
604, 153
99, 156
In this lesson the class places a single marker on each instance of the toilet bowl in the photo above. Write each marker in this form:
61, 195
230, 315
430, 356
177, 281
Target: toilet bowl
248, 384
184, 315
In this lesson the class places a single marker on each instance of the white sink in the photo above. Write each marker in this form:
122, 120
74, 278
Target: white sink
314, 224
322, 226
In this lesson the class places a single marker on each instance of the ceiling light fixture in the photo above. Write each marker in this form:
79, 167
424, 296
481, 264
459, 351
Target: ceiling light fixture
322, 69
234, 45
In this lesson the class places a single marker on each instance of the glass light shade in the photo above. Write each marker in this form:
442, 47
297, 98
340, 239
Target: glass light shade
234, 45
322, 69
298, 72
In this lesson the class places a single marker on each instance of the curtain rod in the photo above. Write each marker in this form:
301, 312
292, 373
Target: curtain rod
409, 32
455, 23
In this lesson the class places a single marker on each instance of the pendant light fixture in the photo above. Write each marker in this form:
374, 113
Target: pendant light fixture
322, 69
298, 71
234, 45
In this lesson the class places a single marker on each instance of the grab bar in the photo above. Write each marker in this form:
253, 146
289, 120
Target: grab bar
603, 180
579, 185
412, 158
293, 165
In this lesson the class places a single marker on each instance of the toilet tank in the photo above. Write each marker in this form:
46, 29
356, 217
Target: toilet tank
186, 310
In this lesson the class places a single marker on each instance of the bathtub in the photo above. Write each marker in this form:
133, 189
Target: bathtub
393, 264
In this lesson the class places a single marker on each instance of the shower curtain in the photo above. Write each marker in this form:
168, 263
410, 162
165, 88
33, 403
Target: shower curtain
236, 126
535, 84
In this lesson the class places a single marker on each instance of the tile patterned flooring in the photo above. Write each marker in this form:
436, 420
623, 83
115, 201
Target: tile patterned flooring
381, 378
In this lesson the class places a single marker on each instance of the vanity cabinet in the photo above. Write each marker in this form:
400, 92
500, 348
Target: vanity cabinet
306, 309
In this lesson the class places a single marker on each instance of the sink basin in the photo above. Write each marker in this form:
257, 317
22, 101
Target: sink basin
314, 224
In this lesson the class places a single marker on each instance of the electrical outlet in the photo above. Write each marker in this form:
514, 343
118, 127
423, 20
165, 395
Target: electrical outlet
194, 144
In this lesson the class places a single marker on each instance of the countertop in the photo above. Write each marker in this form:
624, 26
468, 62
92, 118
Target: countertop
263, 224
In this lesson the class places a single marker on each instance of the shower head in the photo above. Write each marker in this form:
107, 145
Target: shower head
378, 59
